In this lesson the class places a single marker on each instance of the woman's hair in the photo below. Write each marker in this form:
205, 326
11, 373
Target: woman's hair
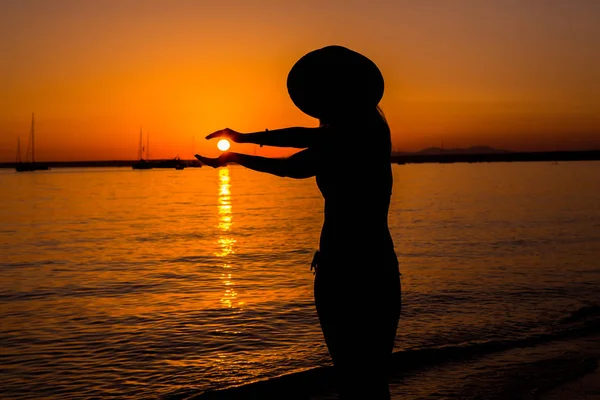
381, 114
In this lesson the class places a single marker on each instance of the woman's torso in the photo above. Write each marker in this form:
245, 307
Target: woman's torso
355, 178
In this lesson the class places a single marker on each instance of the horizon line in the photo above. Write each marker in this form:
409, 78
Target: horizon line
127, 162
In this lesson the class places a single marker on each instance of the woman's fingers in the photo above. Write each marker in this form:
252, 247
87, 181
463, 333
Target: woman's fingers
220, 161
211, 162
226, 133
216, 134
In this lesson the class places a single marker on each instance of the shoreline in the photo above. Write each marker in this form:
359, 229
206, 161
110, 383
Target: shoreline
447, 158
317, 381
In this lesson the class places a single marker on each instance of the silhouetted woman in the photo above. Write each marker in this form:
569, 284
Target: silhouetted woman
357, 283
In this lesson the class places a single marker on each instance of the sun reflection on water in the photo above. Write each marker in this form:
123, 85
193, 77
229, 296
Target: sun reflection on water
226, 241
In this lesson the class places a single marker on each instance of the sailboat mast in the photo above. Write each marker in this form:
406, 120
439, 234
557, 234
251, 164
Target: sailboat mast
148, 146
140, 145
19, 150
32, 138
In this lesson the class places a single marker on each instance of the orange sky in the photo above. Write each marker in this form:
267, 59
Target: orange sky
515, 74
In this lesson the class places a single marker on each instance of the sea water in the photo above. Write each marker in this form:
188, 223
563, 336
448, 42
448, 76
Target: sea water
165, 283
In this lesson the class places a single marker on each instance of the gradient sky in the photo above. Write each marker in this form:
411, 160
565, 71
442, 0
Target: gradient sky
514, 74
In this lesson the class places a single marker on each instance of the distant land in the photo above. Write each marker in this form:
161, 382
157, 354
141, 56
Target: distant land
158, 164
468, 150
428, 155
489, 154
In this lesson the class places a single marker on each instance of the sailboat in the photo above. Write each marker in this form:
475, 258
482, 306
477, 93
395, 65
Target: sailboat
29, 166
176, 163
143, 164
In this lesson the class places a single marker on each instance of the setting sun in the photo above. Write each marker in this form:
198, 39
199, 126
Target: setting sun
223, 145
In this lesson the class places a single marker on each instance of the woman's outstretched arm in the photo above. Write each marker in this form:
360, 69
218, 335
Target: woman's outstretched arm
297, 137
300, 165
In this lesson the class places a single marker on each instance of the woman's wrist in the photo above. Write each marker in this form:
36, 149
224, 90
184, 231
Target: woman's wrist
244, 138
254, 138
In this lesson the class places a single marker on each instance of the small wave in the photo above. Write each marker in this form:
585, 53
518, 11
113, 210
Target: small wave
112, 289
192, 259
171, 275
170, 237
28, 296
583, 314
28, 264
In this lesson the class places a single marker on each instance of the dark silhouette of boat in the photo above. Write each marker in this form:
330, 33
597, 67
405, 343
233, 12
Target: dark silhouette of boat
29, 166
176, 163
143, 163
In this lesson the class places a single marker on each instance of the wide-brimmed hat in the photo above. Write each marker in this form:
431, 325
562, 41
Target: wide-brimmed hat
334, 80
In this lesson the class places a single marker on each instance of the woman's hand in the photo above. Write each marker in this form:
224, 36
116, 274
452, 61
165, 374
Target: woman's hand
227, 134
220, 161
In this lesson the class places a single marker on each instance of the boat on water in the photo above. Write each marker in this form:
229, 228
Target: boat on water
143, 163
176, 163
29, 166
